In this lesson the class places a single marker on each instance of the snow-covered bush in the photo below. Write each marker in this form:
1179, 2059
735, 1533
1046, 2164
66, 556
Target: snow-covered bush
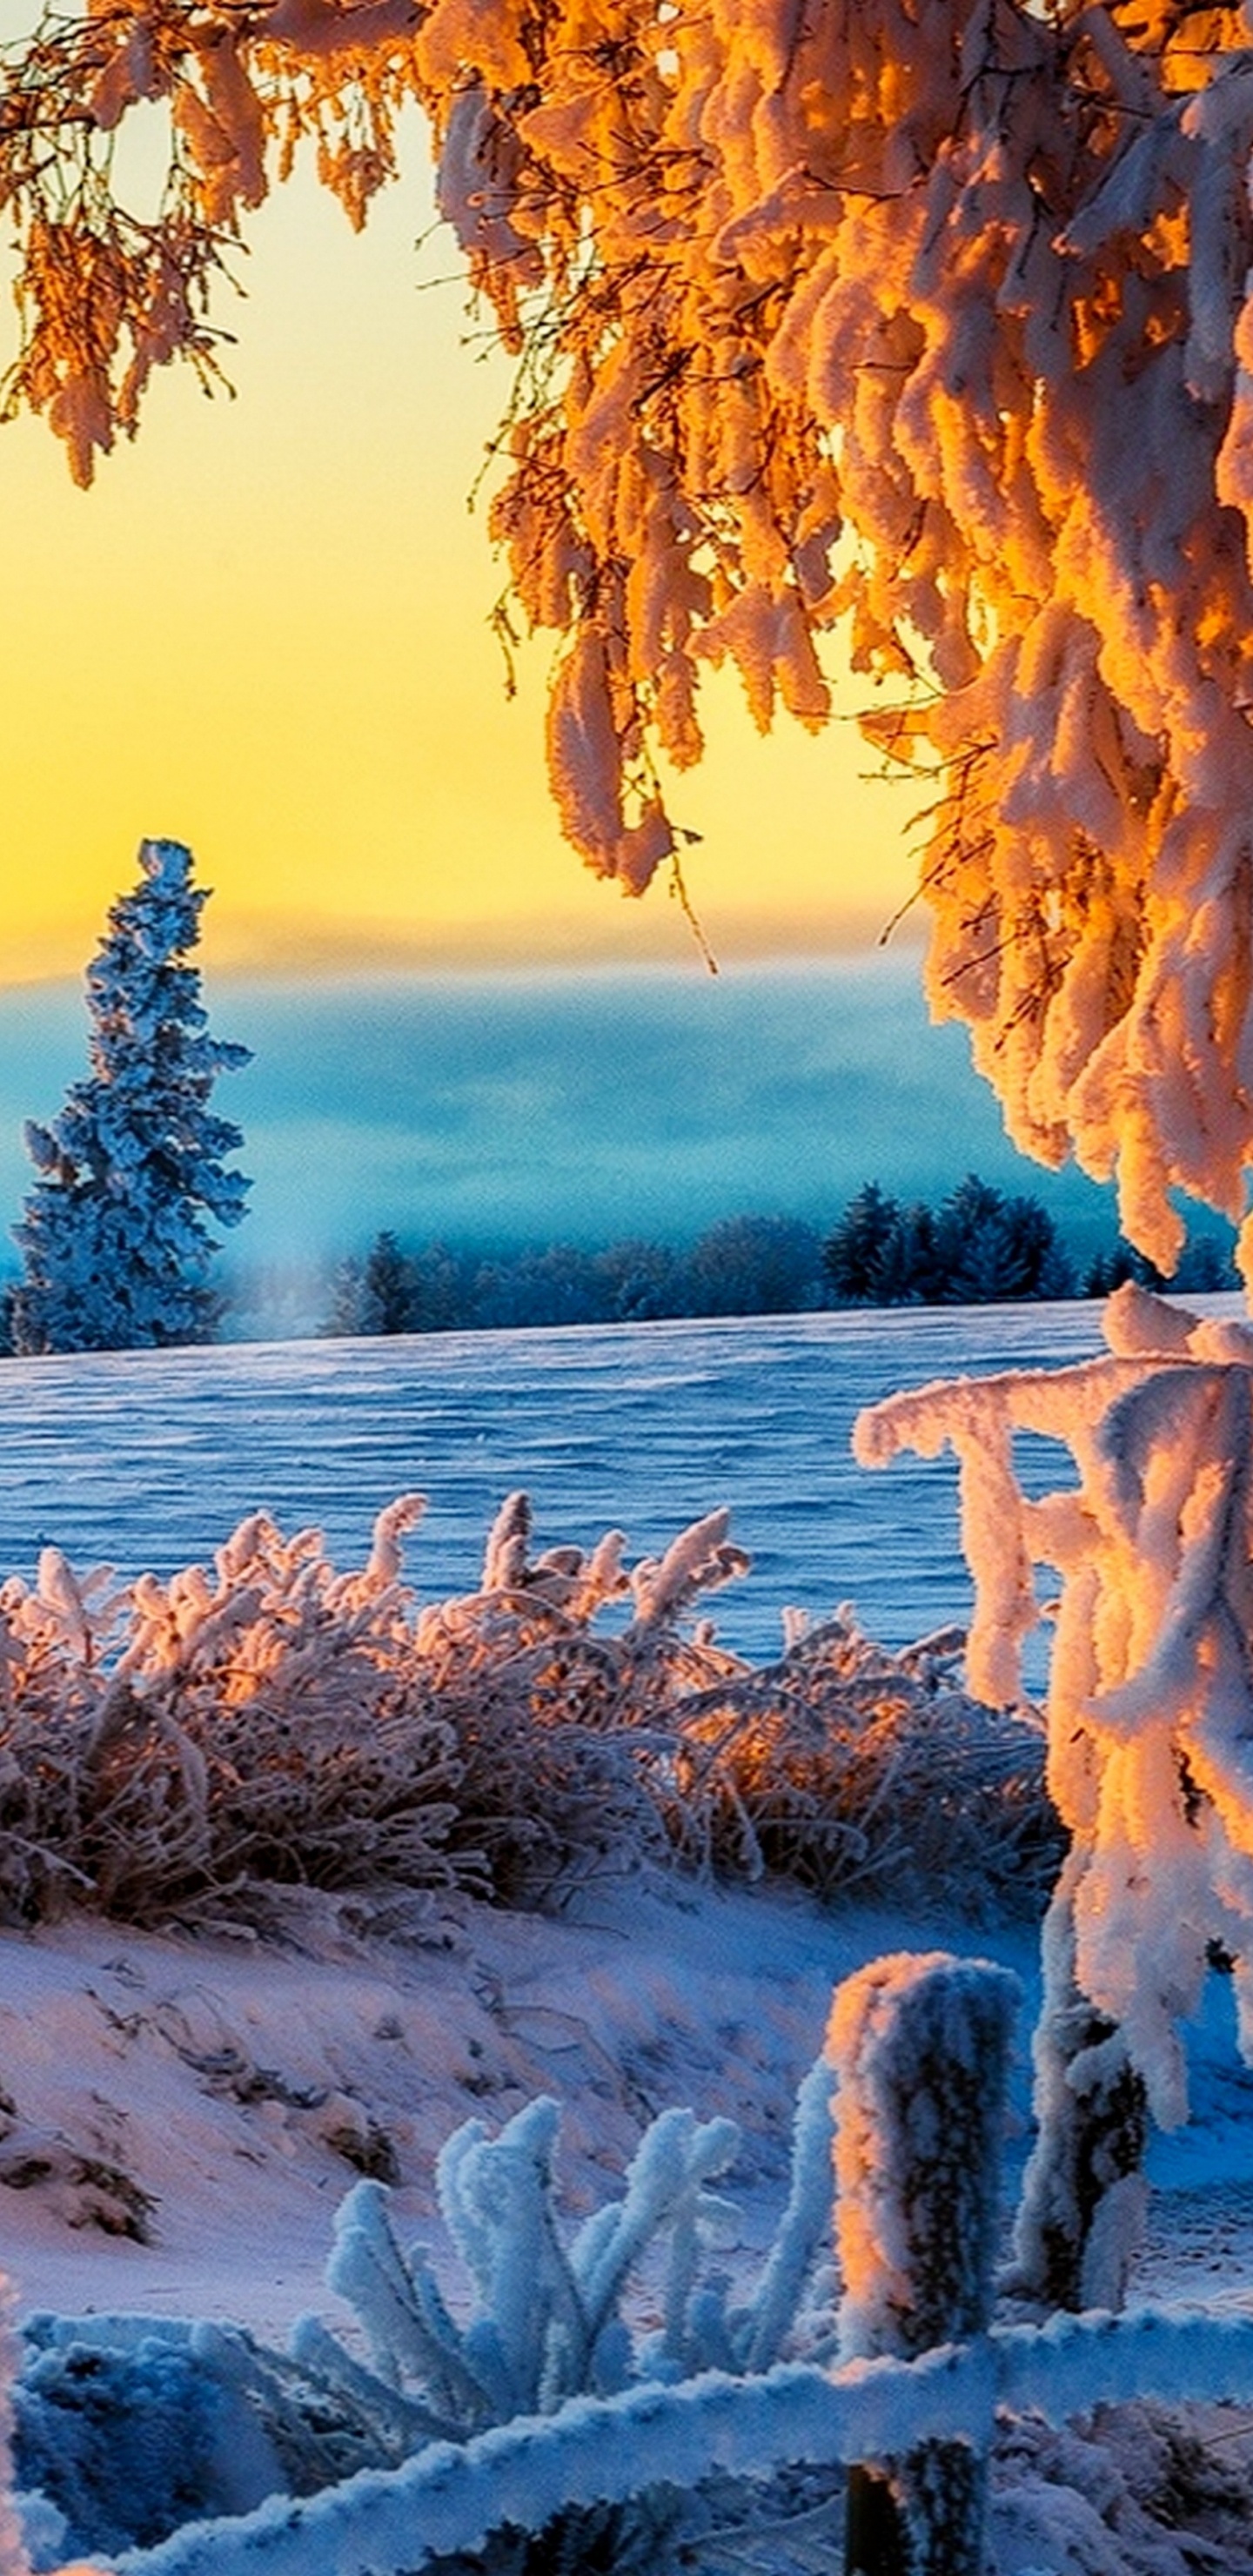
846, 1766
13, 2558
129, 2429
166, 1747
178, 1748
124, 2431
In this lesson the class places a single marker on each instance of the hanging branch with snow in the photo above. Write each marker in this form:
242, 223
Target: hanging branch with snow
927, 321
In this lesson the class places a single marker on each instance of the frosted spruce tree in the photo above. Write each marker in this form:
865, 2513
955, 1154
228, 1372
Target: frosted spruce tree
115, 1239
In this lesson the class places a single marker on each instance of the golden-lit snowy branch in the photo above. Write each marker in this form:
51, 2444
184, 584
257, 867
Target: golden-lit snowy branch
923, 320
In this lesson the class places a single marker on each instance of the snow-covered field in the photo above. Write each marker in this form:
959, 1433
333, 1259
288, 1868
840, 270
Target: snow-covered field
179, 2118
148, 1459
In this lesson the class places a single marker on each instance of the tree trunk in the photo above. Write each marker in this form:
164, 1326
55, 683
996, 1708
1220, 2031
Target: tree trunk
1084, 2195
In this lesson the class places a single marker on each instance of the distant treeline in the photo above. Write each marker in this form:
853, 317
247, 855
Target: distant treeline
978, 1246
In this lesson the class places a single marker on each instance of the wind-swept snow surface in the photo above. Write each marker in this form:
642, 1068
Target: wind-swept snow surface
146, 1459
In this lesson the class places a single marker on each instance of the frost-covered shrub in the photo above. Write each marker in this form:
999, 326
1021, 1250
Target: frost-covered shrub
128, 2429
165, 1748
846, 1766
839, 1766
128, 2434
1138, 2490
554, 1781
13, 2558
550, 2316
180, 1748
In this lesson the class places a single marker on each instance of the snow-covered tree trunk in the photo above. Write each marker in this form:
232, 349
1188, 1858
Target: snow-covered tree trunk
1081, 2219
921, 2045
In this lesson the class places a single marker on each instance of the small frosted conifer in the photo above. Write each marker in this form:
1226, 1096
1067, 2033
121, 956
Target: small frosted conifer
115, 1240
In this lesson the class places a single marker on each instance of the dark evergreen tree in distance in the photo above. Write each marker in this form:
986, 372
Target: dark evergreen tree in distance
373, 1294
387, 1287
979, 1247
390, 1290
853, 1253
642, 1282
115, 1238
1206, 1268
992, 1250
556, 1284
880, 1253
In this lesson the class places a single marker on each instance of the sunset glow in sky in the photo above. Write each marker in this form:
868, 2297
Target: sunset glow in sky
265, 632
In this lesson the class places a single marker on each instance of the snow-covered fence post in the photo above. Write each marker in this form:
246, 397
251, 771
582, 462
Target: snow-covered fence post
921, 2046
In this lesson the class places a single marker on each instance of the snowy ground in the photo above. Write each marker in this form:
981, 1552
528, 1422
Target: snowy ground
186, 2113
186, 2116
232, 2095
179, 2118
147, 1459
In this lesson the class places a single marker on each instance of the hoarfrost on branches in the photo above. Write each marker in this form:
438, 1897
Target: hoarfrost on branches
548, 2320
1150, 1719
927, 320
556, 2313
189, 1746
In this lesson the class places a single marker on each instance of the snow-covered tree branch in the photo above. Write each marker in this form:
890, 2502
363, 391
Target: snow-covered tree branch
924, 320
1150, 1717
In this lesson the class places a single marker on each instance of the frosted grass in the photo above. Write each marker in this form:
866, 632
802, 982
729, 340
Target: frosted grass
146, 1460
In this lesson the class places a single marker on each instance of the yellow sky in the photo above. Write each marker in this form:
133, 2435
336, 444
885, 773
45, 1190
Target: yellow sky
264, 632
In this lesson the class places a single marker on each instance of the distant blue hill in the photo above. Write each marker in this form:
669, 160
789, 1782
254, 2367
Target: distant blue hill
580, 1106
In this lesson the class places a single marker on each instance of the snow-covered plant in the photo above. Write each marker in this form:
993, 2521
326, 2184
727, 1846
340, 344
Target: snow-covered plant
558, 1728
116, 1250
181, 1746
266, 1723
126, 2429
555, 2312
844, 1766
13, 2557
1150, 1717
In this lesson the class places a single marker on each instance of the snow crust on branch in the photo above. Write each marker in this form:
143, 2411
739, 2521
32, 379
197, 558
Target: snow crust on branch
1150, 1704
927, 320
